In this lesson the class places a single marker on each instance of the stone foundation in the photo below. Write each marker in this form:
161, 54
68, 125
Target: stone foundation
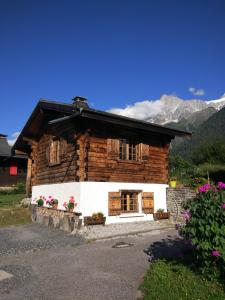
66, 221
175, 199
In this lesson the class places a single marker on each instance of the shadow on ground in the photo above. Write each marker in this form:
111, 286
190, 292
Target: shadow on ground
169, 248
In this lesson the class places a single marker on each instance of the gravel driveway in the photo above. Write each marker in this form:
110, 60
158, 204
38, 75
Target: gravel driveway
48, 264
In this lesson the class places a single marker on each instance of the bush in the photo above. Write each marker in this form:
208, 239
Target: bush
205, 227
20, 188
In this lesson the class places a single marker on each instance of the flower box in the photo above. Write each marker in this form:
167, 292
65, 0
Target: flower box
94, 221
161, 215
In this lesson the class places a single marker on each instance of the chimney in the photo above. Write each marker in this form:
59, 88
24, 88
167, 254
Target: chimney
80, 102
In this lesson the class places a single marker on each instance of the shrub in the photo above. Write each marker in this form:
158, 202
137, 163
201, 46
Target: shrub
20, 188
205, 227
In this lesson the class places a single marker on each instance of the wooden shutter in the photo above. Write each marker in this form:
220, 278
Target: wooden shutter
63, 150
113, 148
48, 154
148, 202
114, 203
144, 151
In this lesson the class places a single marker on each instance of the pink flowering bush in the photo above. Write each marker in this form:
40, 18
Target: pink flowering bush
205, 228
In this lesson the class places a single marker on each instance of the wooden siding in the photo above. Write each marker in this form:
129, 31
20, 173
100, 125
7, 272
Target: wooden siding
8, 180
151, 168
86, 156
42, 171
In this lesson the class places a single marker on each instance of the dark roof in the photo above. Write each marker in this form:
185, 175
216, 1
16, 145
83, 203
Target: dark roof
71, 110
5, 149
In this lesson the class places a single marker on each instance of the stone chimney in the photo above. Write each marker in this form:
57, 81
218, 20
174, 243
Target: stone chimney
80, 102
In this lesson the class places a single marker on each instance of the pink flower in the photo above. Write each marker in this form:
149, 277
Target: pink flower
221, 185
223, 205
187, 215
204, 188
215, 253
65, 204
72, 200
49, 197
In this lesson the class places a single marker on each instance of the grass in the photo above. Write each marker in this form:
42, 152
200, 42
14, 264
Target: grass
166, 280
10, 214
10, 200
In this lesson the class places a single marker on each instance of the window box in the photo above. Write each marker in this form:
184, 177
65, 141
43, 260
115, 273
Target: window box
161, 215
94, 221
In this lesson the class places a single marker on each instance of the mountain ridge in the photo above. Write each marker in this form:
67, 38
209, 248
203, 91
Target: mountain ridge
167, 109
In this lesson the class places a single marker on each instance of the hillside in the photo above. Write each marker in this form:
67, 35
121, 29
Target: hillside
193, 121
209, 132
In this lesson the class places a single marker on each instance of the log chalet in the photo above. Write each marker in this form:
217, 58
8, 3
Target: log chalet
108, 163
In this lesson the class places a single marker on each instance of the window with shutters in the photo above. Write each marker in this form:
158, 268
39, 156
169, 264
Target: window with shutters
128, 150
123, 202
54, 152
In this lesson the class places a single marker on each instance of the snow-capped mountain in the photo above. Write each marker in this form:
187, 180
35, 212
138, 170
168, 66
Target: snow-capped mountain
168, 108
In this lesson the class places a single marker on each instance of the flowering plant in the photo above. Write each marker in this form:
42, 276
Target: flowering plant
205, 227
71, 204
51, 201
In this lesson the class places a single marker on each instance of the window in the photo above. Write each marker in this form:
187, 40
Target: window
54, 152
13, 171
129, 202
127, 150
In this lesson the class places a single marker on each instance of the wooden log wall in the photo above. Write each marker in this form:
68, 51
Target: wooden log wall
86, 156
66, 170
152, 170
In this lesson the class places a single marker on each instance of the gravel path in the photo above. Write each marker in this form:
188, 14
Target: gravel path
114, 230
51, 265
32, 238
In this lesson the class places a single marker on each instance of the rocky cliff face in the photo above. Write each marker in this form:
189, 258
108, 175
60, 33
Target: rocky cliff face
168, 108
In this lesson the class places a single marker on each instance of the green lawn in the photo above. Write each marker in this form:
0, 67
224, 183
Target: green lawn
167, 280
9, 200
10, 214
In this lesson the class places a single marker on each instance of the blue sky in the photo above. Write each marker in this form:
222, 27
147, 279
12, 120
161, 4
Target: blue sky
113, 52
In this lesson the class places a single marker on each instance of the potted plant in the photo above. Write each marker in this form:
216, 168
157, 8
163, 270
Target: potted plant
161, 215
95, 219
54, 203
173, 182
70, 205
40, 202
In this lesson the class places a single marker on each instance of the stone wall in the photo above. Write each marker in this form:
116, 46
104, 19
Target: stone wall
175, 198
66, 221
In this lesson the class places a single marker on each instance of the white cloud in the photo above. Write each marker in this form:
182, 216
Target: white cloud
196, 92
140, 110
13, 138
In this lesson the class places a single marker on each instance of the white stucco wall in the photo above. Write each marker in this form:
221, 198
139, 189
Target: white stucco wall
92, 197
60, 191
